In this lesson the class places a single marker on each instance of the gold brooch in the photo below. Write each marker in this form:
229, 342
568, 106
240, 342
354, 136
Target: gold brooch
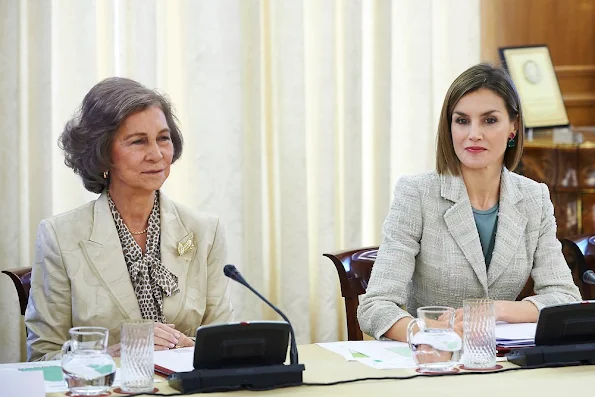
186, 244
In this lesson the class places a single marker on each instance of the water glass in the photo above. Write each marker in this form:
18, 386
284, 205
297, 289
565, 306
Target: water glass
88, 369
435, 346
479, 334
137, 351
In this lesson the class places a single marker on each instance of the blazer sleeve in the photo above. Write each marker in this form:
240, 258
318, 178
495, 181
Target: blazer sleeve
379, 307
49, 310
218, 309
553, 279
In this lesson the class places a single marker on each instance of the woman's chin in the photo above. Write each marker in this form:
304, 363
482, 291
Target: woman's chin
147, 187
153, 182
479, 165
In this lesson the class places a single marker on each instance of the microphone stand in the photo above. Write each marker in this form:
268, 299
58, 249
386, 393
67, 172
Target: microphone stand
293, 352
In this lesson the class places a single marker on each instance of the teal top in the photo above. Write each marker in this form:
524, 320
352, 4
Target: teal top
487, 222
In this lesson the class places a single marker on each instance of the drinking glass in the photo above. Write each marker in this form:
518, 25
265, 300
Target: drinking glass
479, 334
88, 369
435, 346
137, 351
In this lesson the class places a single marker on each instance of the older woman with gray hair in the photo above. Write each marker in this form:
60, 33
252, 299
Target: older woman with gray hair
132, 253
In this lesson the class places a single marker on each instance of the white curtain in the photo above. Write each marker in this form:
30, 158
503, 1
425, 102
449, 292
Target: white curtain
298, 117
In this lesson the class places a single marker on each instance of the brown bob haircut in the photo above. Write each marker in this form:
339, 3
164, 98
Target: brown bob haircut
87, 137
479, 76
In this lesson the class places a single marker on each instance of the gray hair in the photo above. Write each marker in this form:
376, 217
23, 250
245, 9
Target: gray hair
87, 137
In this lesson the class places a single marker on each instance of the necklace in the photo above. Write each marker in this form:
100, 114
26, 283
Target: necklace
131, 232
136, 233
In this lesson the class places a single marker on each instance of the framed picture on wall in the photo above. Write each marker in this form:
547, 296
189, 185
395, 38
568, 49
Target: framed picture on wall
532, 71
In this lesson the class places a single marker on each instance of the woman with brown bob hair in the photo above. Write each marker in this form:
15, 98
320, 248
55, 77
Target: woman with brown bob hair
132, 253
472, 228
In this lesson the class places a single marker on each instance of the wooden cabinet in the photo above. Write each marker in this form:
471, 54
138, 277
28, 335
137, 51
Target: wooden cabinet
567, 27
565, 161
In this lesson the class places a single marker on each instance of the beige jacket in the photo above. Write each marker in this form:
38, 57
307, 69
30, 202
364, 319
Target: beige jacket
80, 276
431, 253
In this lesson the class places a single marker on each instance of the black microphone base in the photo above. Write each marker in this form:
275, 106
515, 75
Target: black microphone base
554, 355
261, 377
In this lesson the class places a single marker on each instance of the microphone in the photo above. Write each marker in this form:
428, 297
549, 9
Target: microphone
589, 277
235, 356
234, 274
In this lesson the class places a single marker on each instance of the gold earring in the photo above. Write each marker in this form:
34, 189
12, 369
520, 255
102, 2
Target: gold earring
105, 173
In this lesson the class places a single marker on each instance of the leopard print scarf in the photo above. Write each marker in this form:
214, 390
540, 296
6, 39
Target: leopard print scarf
150, 279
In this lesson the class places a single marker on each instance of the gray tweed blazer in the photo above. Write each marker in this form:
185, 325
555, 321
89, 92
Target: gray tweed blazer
431, 254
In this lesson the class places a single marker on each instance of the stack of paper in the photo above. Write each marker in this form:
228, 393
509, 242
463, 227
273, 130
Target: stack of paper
515, 335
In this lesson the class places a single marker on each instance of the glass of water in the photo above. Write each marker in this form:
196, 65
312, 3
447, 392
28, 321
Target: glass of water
137, 363
479, 334
434, 344
88, 369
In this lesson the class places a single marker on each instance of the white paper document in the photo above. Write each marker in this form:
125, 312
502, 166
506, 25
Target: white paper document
392, 354
175, 360
376, 354
52, 376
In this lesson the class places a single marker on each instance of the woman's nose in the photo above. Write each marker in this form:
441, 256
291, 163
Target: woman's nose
155, 152
475, 133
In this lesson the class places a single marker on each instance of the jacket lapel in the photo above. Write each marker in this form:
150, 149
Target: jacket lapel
460, 223
511, 227
103, 251
178, 248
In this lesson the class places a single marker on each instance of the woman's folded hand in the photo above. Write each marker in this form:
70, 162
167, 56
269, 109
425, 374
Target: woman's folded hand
167, 337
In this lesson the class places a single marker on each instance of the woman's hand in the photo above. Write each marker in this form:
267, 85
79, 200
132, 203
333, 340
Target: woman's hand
185, 341
509, 311
427, 354
516, 311
167, 337
444, 319
114, 350
458, 323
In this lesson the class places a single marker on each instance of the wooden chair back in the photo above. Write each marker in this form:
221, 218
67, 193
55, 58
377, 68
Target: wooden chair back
579, 252
21, 277
354, 268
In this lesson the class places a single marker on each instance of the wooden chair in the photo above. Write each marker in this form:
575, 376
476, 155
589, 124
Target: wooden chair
21, 277
579, 252
354, 268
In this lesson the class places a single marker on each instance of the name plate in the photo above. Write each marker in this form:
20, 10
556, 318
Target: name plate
15, 383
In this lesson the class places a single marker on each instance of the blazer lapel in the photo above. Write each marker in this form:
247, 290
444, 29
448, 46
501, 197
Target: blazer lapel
460, 223
104, 253
511, 228
178, 248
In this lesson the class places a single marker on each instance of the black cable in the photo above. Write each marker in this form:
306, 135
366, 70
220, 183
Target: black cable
346, 381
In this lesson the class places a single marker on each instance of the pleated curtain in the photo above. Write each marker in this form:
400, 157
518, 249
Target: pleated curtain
298, 118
